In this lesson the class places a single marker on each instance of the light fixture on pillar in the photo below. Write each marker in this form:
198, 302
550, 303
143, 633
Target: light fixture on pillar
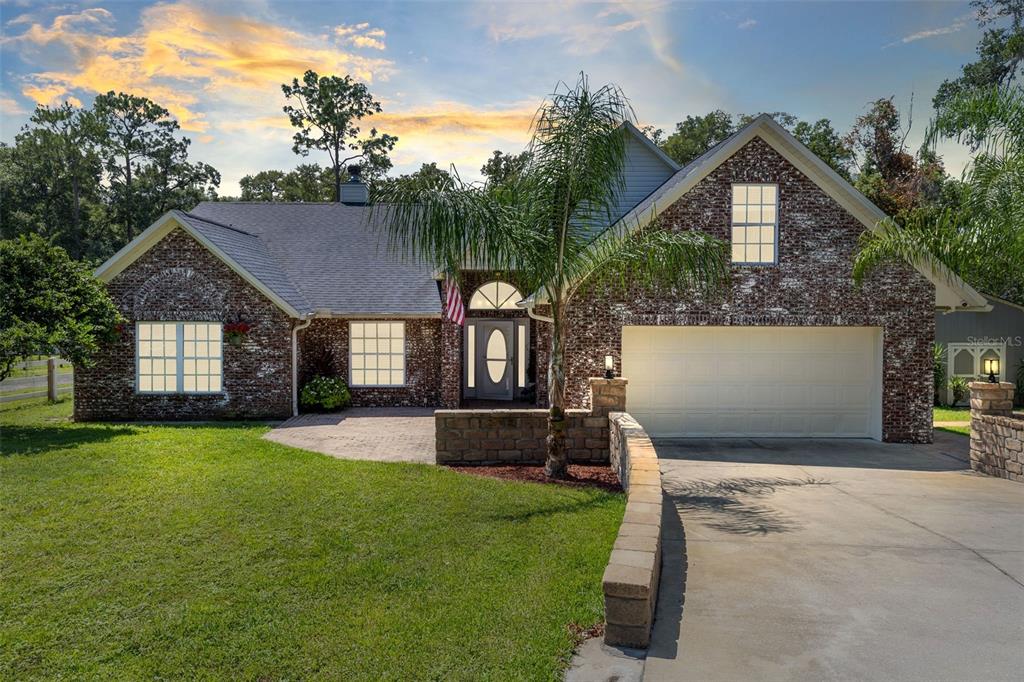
992, 369
609, 367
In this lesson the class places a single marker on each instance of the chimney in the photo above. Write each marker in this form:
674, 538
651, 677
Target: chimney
354, 192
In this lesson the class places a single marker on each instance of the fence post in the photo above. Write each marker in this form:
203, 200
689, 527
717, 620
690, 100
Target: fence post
51, 379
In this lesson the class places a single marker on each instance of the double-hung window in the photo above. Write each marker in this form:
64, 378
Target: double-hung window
179, 357
376, 353
755, 223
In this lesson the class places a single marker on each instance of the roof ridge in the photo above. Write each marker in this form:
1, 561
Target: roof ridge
219, 224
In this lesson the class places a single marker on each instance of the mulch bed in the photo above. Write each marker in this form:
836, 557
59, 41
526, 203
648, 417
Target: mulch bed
580, 475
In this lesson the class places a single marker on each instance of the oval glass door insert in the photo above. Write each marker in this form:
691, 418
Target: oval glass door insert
497, 355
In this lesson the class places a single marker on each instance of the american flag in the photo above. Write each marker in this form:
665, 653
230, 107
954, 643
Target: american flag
453, 309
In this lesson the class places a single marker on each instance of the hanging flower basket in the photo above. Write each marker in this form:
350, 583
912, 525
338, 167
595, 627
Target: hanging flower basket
235, 332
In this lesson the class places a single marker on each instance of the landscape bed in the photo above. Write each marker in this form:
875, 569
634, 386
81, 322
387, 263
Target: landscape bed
205, 551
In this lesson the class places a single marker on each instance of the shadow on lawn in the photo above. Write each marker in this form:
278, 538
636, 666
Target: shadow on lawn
33, 440
596, 498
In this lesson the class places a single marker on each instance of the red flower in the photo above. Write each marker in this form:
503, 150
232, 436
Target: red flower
237, 328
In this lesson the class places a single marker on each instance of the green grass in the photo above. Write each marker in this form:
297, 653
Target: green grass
962, 430
951, 414
21, 369
131, 552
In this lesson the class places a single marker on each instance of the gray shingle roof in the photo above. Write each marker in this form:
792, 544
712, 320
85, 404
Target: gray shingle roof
319, 257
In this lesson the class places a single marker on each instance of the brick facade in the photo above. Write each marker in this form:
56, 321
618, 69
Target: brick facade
811, 285
179, 280
423, 354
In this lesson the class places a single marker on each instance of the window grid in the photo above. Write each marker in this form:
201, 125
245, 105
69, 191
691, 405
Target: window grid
495, 296
376, 353
755, 224
158, 357
179, 357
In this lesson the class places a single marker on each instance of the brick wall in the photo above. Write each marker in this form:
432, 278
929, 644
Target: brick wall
810, 286
997, 434
423, 352
179, 280
487, 437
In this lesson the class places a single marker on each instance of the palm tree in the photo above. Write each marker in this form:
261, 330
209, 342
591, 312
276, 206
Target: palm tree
981, 239
550, 225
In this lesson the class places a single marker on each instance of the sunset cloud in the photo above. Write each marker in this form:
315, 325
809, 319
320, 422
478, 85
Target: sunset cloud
184, 53
361, 35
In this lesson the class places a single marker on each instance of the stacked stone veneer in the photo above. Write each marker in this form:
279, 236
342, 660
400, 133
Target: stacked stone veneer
519, 436
810, 285
633, 571
997, 434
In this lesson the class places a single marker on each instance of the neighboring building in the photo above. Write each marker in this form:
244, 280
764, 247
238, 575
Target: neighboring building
970, 338
791, 349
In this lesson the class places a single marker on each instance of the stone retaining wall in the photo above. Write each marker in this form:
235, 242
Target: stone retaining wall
495, 436
997, 434
634, 568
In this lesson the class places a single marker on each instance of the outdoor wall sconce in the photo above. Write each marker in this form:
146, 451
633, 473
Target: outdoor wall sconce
992, 368
609, 367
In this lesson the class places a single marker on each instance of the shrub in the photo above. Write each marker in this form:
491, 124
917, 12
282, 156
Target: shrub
323, 394
960, 389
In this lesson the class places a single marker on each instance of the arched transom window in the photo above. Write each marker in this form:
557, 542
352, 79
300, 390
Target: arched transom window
495, 296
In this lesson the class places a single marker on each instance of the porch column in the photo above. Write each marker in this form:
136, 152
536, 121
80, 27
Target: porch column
451, 365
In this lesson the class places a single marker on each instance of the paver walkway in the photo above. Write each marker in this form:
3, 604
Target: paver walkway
392, 434
837, 560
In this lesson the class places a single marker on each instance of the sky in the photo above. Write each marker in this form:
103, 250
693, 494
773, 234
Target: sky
458, 80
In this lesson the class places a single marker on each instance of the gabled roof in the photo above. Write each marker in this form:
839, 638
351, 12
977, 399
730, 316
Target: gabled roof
307, 258
950, 291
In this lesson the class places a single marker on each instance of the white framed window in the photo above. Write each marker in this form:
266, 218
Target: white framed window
376, 353
179, 357
755, 223
495, 296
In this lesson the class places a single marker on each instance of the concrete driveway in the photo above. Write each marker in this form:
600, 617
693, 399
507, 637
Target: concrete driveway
384, 434
824, 560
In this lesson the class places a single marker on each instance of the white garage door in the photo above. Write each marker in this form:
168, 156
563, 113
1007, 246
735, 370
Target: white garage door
754, 381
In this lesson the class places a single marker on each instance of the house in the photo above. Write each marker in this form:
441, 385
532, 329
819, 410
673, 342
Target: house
971, 338
793, 348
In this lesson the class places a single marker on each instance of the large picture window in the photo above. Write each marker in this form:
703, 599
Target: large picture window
179, 357
376, 353
754, 223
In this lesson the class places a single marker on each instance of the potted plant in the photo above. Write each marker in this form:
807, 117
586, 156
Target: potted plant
235, 332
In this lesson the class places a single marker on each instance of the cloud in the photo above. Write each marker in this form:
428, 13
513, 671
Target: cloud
361, 35
583, 28
746, 23
184, 57
11, 107
958, 24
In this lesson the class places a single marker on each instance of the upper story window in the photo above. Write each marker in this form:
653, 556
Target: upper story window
179, 357
495, 296
376, 353
755, 223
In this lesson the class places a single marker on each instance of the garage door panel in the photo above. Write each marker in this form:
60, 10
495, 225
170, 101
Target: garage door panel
758, 381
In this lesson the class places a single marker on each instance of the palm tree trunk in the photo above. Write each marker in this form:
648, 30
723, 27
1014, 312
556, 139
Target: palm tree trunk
557, 459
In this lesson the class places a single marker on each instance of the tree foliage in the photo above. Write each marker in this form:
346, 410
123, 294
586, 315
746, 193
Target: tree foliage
549, 224
327, 111
49, 304
502, 168
307, 182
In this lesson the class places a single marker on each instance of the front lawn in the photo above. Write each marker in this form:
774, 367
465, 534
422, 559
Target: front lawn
135, 552
951, 414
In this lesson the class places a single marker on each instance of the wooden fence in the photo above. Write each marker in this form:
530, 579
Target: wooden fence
57, 379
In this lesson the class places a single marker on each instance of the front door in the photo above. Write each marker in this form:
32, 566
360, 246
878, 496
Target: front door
494, 366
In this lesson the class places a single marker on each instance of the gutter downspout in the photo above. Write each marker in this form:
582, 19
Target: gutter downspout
528, 304
295, 362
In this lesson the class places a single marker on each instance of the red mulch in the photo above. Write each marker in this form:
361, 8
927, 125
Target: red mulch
580, 475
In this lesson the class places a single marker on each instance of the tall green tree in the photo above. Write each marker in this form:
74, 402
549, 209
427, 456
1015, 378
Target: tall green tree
697, 134
549, 225
49, 304
307, 182
982, 237
328, 110
502, 167
1000, 61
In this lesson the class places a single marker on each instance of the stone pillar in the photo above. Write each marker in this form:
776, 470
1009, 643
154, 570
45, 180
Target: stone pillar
451, 365
994, 399
607, 395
